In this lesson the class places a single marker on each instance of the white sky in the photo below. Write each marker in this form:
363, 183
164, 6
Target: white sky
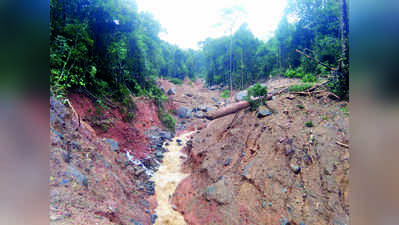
189, 21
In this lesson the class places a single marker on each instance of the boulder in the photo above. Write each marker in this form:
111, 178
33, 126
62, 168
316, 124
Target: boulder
172, 91
183, 112
263, 111
220, 192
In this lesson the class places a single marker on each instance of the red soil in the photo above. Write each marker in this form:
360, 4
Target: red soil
129, 135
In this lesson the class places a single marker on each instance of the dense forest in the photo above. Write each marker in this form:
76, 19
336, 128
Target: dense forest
108, 49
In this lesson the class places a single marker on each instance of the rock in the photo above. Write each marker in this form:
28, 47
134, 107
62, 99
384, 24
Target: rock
210, 109
339, 221
189, 95
227, 162
215, 100
203, 108
284, 221
291, 97
263, 111
153, 217
149, 186
159, 155
139, 172
295, 168
199, 115
66, 156
113, 144
212, 88
263, 204
240, 96
77, 175
247, 167
221, 192
172, 91
183, 112
135, 222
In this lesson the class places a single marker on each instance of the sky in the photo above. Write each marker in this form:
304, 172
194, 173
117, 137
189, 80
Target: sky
188, 22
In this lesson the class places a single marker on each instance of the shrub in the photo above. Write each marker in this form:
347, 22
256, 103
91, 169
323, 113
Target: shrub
299, 87
309, 124
300, 106
256, 91
128, 117
225, 94
297, 73
176, 81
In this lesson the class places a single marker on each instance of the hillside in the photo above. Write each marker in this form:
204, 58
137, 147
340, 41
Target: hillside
239, 169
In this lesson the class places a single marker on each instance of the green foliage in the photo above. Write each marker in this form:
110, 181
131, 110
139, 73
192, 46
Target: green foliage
309, 78
176, 81
256, 91
128, 117
297, 73
299, 87
309, 124
104, 127
225, 94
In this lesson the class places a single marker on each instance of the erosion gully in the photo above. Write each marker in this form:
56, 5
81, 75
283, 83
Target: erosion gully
166, 179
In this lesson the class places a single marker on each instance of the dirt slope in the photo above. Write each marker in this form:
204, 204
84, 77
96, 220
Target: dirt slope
274, 170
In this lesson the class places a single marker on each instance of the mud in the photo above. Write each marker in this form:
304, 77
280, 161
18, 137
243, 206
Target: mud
166, 180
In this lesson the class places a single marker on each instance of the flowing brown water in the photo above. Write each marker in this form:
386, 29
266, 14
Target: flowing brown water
166, 180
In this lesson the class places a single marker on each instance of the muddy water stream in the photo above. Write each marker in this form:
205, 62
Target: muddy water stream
166, 180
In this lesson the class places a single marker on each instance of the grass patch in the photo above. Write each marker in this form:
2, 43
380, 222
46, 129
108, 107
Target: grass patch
300, 87
324, 117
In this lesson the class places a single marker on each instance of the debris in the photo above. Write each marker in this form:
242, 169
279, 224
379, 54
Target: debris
342, 144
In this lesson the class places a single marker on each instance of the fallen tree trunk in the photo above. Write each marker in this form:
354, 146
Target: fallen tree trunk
227, 110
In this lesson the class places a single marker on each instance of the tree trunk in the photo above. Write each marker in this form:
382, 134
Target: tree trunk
227, 110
